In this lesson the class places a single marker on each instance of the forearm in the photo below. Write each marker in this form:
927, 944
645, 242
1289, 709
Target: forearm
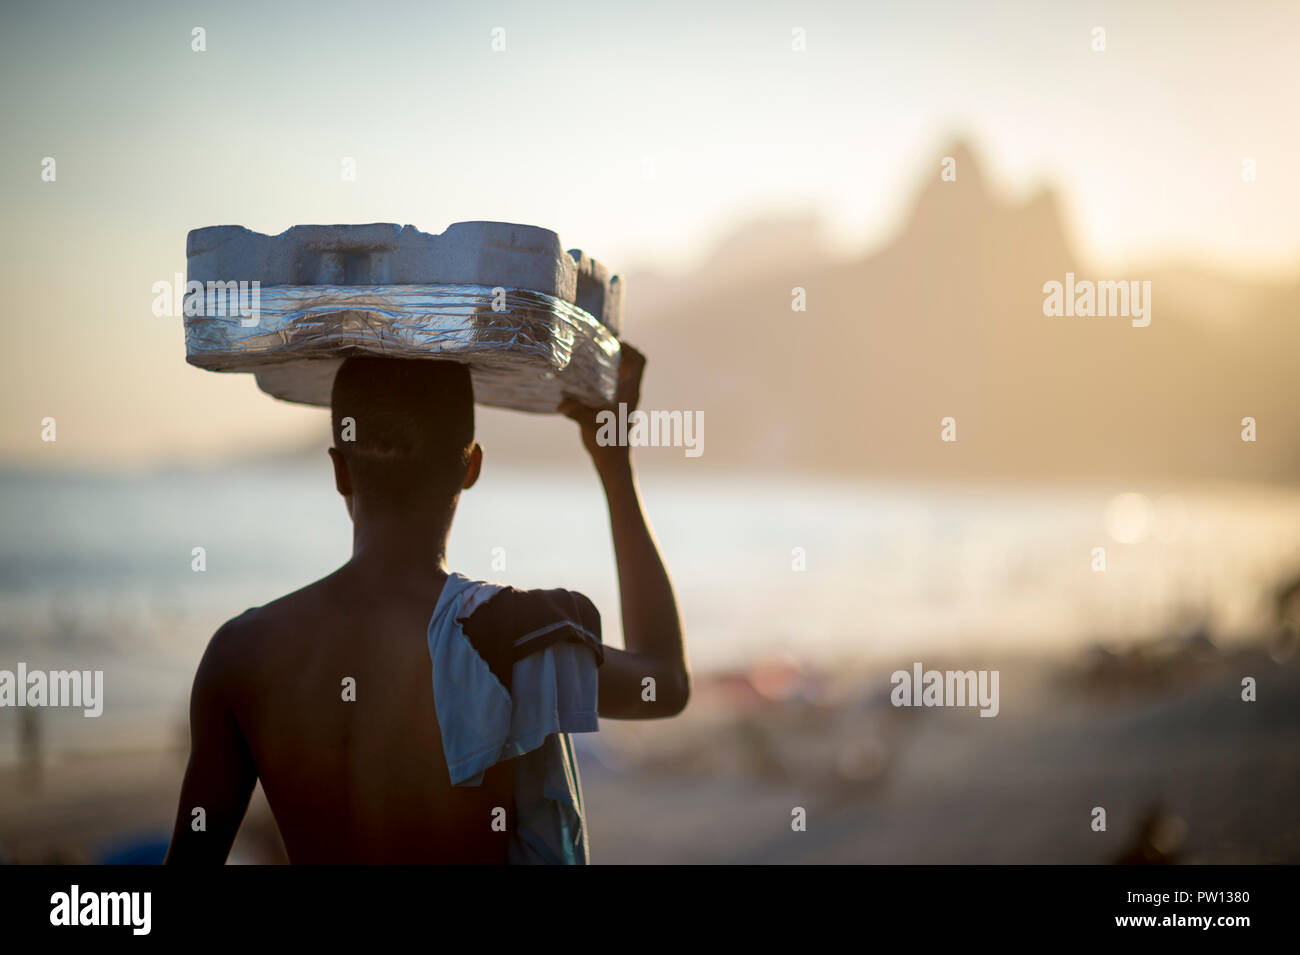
651, 626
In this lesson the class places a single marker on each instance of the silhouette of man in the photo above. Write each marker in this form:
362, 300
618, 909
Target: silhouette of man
332, 695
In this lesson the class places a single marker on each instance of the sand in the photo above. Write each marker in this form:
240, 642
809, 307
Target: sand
1185, 770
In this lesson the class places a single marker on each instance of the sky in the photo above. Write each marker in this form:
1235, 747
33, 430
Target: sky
640, 132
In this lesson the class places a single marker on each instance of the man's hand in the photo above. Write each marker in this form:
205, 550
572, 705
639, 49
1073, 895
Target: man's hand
628, 392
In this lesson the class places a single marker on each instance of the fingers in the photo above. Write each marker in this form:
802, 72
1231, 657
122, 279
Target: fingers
575, 410
632, 363
630, 368
627, 391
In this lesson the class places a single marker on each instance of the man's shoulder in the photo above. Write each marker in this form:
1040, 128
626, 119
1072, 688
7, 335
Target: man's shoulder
241, 638
503, 603
236, 643
512, 624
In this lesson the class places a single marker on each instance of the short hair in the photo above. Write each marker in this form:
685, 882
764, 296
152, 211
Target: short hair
411, 427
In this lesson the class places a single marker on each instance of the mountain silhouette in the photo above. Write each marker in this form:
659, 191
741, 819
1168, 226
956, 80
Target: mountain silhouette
946, 320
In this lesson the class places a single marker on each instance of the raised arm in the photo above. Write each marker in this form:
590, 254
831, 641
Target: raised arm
221, 773
652, 631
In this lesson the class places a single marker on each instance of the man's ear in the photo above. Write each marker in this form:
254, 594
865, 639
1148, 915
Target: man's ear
342, 477
475, 466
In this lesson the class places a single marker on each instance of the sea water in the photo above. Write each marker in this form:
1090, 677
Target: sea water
99, 572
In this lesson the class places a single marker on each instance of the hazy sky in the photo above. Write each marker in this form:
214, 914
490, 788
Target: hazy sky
640, 132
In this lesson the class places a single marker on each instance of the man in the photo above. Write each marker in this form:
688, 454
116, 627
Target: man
360, 699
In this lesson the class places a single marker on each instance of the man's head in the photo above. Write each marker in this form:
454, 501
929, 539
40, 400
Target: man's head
403, 432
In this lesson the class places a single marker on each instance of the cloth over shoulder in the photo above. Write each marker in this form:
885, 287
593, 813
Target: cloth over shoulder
514, 672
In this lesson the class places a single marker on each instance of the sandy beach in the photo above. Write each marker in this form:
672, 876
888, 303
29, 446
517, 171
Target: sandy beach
1159, 737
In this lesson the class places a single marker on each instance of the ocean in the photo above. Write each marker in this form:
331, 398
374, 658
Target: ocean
97, 570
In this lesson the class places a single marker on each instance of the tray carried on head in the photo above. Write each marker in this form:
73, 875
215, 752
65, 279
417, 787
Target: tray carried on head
532, 321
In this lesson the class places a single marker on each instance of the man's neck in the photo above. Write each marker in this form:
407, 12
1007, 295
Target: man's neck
401, 548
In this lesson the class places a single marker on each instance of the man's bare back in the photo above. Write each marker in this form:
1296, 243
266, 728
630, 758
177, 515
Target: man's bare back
363, 779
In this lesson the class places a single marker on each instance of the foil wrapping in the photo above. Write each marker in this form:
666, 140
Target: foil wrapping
526, 350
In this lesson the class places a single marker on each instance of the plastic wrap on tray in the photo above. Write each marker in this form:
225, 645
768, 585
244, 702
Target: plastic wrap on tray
532, 321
